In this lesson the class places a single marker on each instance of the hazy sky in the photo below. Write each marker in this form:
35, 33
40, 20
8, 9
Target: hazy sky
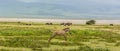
96, 8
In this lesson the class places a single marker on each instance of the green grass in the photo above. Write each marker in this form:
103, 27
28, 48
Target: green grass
35, 37
117, 44
87, 48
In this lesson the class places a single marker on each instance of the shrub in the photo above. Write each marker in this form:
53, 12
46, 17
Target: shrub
90, 22
111, 24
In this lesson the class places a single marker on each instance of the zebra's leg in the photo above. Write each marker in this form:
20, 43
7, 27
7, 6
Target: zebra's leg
51, 38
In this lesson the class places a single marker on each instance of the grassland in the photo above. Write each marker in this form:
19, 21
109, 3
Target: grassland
18, 36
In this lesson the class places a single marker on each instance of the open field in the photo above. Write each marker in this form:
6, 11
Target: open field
17, 36
75, 21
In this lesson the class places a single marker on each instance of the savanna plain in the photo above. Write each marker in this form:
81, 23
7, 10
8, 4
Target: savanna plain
32, 36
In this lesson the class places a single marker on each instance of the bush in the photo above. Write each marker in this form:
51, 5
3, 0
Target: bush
90, 22
111, 24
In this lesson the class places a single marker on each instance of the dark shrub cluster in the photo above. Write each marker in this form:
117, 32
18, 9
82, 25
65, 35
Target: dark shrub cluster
90, 22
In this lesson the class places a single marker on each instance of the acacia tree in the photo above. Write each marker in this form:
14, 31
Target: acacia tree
90, 22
